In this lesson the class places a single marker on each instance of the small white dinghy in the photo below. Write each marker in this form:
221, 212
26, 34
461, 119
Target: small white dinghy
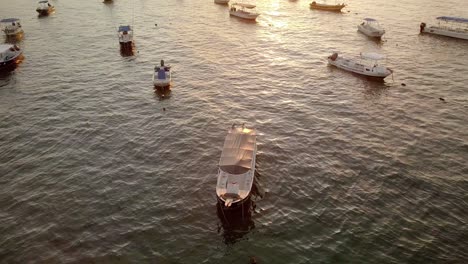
366, 66
236, 167
11, 27
371, 27
455, 27
162, 76
245, 11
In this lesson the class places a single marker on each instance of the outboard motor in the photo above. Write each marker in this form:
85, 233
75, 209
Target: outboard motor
162, 63
421, 27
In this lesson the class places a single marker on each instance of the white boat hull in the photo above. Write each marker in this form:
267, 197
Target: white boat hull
244, 15
356, 67
460, 34
371, 31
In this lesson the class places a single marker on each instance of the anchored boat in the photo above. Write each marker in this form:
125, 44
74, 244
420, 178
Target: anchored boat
327, 7
236, 167
245, 11
366, 66
455, 27
125, 34
162, 76
9, 56
11, 27
44, 8
371, 27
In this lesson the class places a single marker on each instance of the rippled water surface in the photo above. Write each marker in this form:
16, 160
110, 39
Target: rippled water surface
94, 170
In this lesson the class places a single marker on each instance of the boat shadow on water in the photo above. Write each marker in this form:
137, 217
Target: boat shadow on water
235, 223
162, 93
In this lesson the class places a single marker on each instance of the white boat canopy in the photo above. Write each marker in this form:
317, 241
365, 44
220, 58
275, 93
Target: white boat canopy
244, 5
453, 19
372, 56
238, 151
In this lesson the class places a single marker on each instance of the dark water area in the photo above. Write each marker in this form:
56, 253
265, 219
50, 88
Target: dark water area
92, 170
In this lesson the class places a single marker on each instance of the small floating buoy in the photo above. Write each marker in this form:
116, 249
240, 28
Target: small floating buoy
403, 84
442, 99
155, 25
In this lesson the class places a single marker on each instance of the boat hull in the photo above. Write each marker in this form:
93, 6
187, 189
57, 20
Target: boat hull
364, 71
324, 7
446, 32
244, 15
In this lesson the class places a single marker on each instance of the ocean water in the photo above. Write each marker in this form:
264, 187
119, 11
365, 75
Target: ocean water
95, 167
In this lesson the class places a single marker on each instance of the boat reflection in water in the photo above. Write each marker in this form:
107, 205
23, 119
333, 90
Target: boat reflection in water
237, 222
162, 93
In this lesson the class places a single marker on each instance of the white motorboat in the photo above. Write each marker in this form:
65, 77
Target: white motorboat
221, 2
11, 27
245, 11
236, 167
9, 56
327, 7
44, 8
455, 27
367, 65
162, 76
371, 28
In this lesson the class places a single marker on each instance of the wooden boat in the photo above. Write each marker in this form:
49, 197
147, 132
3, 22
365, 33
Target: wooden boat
327, 7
